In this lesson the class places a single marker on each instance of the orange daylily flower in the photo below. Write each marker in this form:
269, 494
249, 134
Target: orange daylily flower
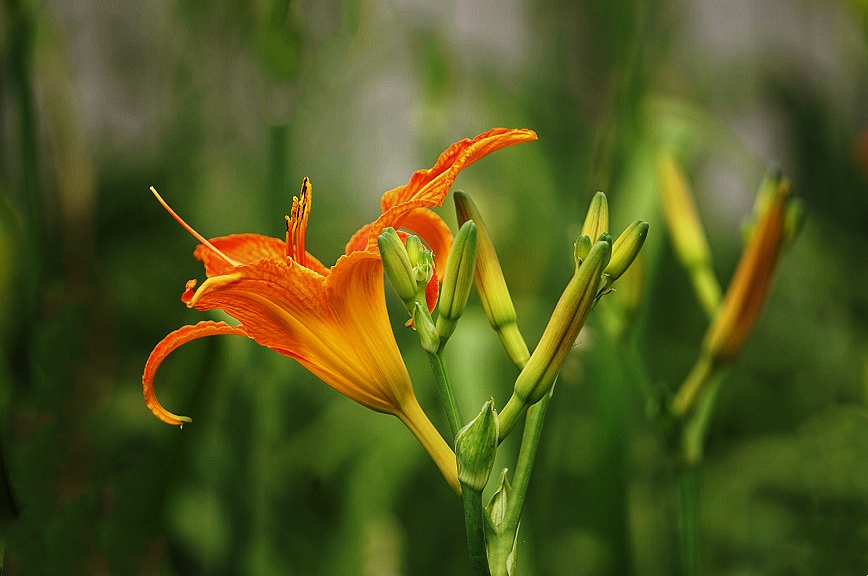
333, 321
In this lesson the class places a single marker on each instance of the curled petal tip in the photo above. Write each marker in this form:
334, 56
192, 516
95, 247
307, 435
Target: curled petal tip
166, 346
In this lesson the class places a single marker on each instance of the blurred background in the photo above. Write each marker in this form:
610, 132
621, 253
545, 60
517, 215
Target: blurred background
224, 106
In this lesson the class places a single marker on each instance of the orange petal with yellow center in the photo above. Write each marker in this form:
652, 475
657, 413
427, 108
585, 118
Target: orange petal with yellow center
166, 346
286, 307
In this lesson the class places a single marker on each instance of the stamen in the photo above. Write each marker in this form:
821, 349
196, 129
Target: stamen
303, 212
297, 224
288, 248
192, 232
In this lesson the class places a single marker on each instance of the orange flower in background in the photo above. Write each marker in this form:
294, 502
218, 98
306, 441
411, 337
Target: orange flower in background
333, 321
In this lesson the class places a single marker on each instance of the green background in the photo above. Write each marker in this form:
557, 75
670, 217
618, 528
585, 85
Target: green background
224, 107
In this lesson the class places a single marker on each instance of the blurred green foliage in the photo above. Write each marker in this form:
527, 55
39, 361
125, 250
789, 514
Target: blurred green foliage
224, 107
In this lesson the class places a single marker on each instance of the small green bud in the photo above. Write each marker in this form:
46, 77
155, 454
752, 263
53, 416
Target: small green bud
457, 279
397, 264
497, 506
597, 219
424, 270
581, 248
501, 538
476, 447
425, 328
414, 249
625, 249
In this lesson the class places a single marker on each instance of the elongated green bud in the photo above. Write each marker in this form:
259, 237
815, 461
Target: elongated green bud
457, 279
557, 340
625, 249
597, 218
425, 328
476, 447
490, 283
399, 271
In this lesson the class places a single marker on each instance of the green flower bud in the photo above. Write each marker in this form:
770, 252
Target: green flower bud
501, 539
490, 283
625, 249
496, 508
424, 270
581, 248
557, 340
425, 328
414, 249
397, 265
476, 447
597, 219
457, 279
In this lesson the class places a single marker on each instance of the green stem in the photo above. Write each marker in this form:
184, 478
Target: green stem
474, 523
447, 393
689, 529
527, 454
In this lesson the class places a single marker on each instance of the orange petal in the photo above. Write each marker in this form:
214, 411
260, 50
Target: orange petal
357, 300
166, 346
429, 187
247, 248
461, 154
359, 241
283, 306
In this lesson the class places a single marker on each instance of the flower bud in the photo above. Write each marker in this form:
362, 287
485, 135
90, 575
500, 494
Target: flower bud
682, 218
581, 248
597, 218
625, 249
557, 340
476, 447
501, 536
744, 297
425, 328
752, 279
490, 283
457, 279
414, 249
497, 506
397, 265
424, 269
686, 233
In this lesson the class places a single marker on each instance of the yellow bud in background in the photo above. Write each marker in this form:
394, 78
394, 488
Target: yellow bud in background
490, 283
745, 295
685, 230
597, 218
